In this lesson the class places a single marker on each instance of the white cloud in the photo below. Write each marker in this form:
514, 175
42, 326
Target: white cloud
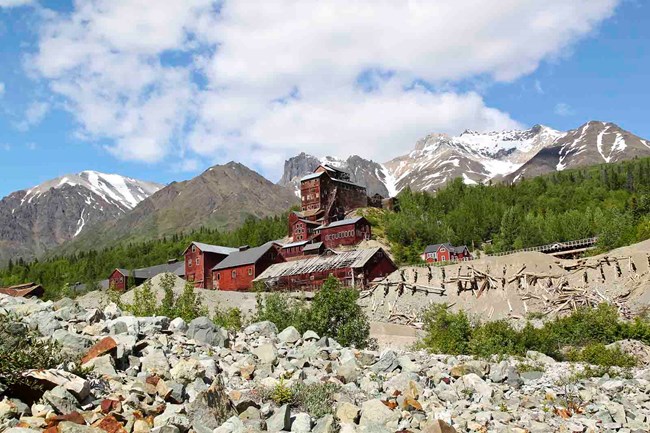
284, 76
2, 89
563, 109
33, 115
14, 3
538, 87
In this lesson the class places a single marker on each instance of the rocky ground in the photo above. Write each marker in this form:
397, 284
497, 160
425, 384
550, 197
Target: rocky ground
156, 374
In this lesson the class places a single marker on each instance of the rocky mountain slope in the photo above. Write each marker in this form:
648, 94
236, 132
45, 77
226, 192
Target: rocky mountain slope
592, 143
221, 197
157, 374
478, 157
36, 220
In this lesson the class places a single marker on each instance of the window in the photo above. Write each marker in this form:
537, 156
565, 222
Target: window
218, 276
121, 279
193, 248
250, 271
234, 274
198, 259
189, 263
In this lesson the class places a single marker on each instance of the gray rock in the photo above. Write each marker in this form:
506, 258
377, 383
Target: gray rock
112, 311
103, 365
301, 423
539, 357
280, 420
476, 384
387, 363
499, 372
61, 400
72, 343
267, 353
124, 325
204, 330
310, 336
264, 328
376, 412
173, 416
155, 362
347, 413
348, 371
178, 325
187, 370
324, 425
289, 335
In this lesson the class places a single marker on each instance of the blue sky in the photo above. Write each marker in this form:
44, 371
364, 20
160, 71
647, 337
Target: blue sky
108, 86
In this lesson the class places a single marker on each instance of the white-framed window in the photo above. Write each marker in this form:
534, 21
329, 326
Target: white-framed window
193, 248
250, 271
189, 263
218, 276
198, 260
233, 274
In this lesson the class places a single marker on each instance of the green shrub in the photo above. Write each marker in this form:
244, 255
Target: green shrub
315, 399
281, 393
333, 313
598, 354
230, 318
21, 350
587, 325
446, 332
495, 338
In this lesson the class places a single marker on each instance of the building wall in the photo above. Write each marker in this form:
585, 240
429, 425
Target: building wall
379, 266
349, 234
117, 281
443, 254
241, 278
198, 266
350, 197
291, 252
311, 193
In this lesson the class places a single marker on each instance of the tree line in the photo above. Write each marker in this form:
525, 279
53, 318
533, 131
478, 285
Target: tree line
610, 201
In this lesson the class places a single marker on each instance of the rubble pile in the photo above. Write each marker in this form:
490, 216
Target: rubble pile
162, 375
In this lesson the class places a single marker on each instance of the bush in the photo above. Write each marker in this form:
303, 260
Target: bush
315, 399
446, 332
495, 338
598, 354
21, 350
230, 319
333, 313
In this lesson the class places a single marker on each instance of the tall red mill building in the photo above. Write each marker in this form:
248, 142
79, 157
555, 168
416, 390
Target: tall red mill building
200, 258
237, 271
326, 196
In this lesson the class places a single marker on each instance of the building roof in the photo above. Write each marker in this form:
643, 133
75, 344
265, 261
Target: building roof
176, 268
207, 248
312, 176
349, 259
313, 246
294, 244
341, 223
23, 290
435, 247
246, 257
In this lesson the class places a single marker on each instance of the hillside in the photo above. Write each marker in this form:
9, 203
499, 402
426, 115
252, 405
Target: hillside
221, 198
34, 221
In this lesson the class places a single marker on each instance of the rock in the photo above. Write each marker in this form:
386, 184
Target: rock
476, 384
204, 330
172, 416
635, 348
21, 430
102, 365
531, 375
210, 407
301, 423
499, 372
539, 357
267, 353
178, 325
280, 420
324, 425
407, 365
310, 336
348, 371
480, 368
61, 400
156, 363
264, 328
74, 344
77, 386
375, 412
112, 311
125, 325
347, 413
187, 370
7, 410
289, 335
437, 426
387, 363
104, 346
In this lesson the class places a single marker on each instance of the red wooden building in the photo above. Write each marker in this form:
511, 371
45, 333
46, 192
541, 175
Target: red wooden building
200, 258
345, 232
445, 253
301, 229
124, 279
239, 269
353, 268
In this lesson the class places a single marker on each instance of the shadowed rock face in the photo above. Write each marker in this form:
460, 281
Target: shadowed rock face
34, 221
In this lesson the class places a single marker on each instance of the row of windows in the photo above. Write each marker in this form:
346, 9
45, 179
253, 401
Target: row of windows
189, 262
233, 274
339, 235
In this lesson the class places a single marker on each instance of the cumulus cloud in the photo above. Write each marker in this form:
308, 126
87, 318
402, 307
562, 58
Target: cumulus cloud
260, 81
14, 3
33, 115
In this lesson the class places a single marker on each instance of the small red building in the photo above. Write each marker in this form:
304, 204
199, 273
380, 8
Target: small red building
345, 232
301, 229
445, 253
239, 269
353, 268
200, 258
124, 279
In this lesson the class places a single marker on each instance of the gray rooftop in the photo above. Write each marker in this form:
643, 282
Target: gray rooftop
176, 268
312, 176
294, 244
341, 223
218, 249
246, 257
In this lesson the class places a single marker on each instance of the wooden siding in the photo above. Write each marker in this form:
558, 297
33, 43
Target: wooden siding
349, 234
198, 266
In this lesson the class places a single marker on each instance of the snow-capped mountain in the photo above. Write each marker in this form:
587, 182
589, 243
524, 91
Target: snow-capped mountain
35, 220
479, 157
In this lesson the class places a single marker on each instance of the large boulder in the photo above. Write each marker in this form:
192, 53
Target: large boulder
204, 330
